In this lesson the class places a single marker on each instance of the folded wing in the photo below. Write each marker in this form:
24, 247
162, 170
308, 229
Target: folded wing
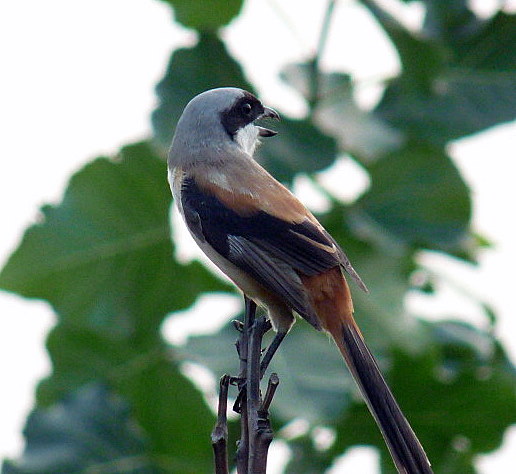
274, 251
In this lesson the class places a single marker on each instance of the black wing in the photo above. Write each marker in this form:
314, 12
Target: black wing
273, 251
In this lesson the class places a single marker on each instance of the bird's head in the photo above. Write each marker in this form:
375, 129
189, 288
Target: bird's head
218, 122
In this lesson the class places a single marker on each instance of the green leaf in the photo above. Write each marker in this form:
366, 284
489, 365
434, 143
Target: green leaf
450, 22
90, 430
421, 58
80, 355
166, 405
462, 102
298, 147
418, 198
190, 72
103, 257
491, 48
173, 413
205, 15
472, 42
476, 88
361, 133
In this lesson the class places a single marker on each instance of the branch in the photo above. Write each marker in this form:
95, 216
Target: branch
241, 404
259, 429
256, 433
323, 36
219, 435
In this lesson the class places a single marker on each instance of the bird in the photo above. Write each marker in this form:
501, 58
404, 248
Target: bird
272, 247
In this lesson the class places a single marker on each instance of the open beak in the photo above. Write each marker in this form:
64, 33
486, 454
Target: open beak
268, 113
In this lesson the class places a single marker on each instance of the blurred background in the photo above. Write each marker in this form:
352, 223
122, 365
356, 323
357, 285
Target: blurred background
398, 131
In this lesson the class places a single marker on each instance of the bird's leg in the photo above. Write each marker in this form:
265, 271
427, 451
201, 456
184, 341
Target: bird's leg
271, 350
269, 353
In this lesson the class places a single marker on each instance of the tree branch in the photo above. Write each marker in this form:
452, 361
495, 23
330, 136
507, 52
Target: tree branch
259, 429
241, 404
323, 36
219, 435
256, 434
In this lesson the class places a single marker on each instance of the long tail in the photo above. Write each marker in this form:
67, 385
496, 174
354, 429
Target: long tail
331, 298
406, 450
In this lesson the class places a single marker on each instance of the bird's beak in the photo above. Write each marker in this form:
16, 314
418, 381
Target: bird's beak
268, 113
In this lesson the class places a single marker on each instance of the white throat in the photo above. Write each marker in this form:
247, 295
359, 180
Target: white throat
247, 138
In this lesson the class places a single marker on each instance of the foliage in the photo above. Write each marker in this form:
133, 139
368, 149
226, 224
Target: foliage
104, 259
90, 426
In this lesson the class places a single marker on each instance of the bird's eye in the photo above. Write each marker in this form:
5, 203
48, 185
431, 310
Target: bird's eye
246, 108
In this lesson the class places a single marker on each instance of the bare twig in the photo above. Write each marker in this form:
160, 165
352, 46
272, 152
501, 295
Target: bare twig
271, 390
219, 435
314, 64
242, 455
325, 29
256, 433
260, 433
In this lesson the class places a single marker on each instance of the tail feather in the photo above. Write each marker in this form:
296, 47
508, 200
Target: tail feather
331, 299
405, 448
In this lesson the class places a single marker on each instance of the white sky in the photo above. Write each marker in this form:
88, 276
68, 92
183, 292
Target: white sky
77, 81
